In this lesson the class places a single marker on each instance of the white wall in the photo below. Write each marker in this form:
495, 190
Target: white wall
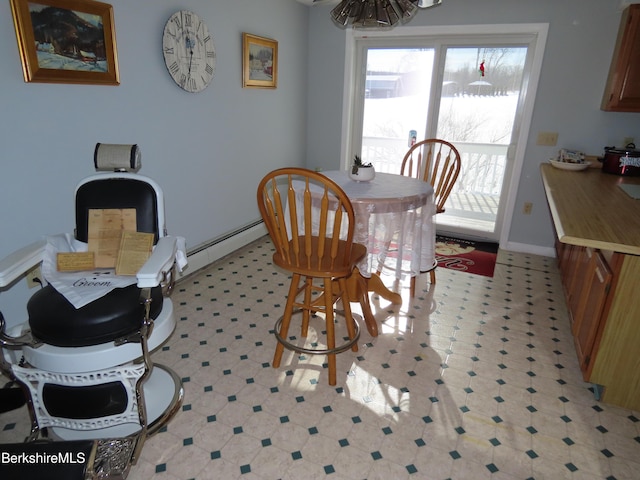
208, 150
580, 44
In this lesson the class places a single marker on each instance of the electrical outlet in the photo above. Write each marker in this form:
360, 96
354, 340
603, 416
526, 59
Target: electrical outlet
547, 139
528, 206
34, 274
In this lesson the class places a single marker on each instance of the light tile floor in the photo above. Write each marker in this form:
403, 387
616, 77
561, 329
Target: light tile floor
474, 378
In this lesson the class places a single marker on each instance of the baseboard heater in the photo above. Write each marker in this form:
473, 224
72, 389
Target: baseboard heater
206, 253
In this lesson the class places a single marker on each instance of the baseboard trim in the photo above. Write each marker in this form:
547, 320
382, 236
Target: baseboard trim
530, 249
207, 253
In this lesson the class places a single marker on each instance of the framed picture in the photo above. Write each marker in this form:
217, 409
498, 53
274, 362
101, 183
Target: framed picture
66, 41
259, 62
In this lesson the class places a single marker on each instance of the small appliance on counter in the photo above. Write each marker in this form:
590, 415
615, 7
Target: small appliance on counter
621, 161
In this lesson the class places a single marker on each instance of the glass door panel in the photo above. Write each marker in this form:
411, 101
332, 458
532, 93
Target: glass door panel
397, 90
478, 109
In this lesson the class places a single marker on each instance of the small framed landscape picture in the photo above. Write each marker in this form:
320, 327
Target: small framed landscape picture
66, 41
259, 62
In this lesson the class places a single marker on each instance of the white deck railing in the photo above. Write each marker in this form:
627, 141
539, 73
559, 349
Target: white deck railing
482, 173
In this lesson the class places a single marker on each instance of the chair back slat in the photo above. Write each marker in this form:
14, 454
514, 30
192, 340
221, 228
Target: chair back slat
441, 167
313, 229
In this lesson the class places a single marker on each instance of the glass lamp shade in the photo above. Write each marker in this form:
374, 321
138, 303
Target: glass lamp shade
377, 13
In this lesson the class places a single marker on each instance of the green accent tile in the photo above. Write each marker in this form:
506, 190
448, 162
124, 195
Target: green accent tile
284, 419
455, 455
215, 455
532, 409
492, 468
496, 419
161, 468
266, 442
237, 430
420, 442
411, 469
313, 430
244, 469
531, 454
187, 441
376, 455
387, 431
356, 419
565, 419
343, 442
297, 455
607, 453
328, 469
532, 430
571, 467
495, 442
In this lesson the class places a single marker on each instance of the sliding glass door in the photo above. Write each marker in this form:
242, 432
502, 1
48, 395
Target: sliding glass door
467, 90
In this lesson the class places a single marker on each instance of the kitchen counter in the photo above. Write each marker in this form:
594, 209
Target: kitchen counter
590, 210
598, 242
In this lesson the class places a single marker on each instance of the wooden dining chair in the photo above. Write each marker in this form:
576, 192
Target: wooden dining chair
311, 223
437, 162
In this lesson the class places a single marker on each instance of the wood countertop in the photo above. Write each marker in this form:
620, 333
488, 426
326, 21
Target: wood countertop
590, 210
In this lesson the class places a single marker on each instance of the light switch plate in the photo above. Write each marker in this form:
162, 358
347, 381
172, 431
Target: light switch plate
547, 139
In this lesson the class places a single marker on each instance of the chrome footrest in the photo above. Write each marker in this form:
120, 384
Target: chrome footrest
316, 351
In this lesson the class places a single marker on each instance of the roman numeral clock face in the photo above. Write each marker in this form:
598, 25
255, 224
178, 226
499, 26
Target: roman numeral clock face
188, 51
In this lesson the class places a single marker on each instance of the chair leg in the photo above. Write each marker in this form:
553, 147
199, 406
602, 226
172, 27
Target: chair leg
306, 312
412, 286
331, 333
348, 316
433, 276
286, 319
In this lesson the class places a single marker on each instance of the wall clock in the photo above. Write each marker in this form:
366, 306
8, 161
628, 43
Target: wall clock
188, 51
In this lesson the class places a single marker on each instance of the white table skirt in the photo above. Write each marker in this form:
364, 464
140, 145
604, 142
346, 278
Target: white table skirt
386, 205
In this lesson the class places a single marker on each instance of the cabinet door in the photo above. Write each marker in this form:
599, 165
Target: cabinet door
579, 263
588, 316
622, 93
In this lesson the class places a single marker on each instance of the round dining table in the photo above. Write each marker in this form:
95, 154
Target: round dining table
390, 210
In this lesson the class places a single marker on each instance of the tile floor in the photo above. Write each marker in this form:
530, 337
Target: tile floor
474, 378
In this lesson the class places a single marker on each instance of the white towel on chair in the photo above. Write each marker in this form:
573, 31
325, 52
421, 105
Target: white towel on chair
80, 288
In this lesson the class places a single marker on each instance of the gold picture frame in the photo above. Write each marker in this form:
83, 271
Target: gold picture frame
54, 52
259, 62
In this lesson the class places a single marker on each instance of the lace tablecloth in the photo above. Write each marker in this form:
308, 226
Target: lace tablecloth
392, 208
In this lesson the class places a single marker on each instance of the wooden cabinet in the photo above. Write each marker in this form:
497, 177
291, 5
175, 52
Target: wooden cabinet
589, 319
597, 229
586, 278
622, 93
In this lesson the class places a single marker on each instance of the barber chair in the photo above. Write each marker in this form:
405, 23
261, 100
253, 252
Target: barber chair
87, 371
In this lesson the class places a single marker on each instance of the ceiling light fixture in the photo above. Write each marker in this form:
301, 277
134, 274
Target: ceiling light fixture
377, 13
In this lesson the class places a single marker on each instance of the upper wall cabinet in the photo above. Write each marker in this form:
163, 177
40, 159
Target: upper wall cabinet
622, 93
